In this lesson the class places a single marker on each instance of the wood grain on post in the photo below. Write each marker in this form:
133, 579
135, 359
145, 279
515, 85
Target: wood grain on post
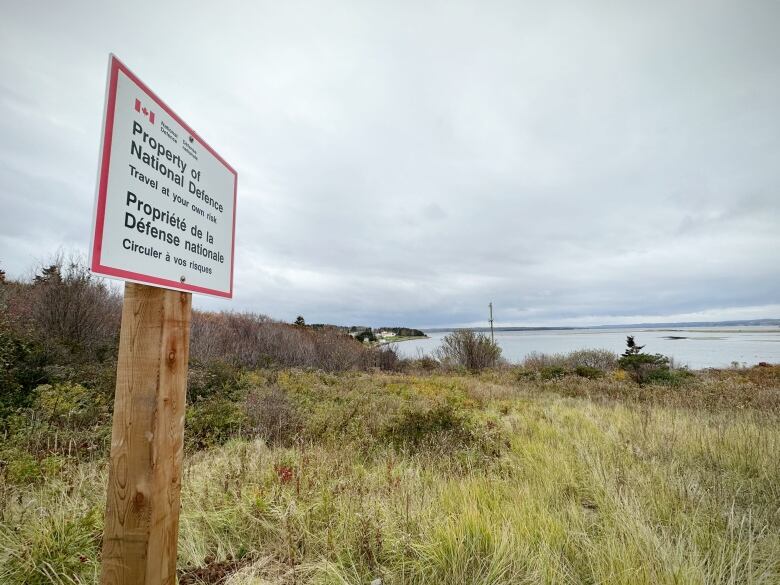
144, 479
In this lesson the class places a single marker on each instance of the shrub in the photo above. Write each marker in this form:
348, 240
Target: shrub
227, 337
443, 428
523, 374
66, 404
643, 367
669, 376
537, 360
63, 400
216, 378
74, 318
19, 466
98, 377
75, 314
386, 358
600, 359
588, 372
427, 363
415, 426
552, 372
470, 350
423, 362
21, 369
252, 340
212, 422
271, 415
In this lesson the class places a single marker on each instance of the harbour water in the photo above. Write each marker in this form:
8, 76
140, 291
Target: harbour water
696, 347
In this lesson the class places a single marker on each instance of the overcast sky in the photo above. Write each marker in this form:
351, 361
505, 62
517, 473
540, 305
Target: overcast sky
408, 162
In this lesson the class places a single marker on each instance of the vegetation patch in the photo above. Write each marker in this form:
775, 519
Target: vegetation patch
312, 460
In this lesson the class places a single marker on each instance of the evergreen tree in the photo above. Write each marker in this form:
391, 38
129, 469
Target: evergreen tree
49, 274
632, 348
643, 367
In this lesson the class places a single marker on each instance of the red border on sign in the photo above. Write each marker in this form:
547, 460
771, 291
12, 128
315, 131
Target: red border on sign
105, 158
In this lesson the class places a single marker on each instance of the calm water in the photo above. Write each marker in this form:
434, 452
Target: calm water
702, 347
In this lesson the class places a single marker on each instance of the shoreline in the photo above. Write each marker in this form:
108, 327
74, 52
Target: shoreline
401, 339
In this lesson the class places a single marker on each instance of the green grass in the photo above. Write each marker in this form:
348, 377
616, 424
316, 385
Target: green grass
502, 478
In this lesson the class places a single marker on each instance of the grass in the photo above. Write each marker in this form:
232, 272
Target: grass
500, 478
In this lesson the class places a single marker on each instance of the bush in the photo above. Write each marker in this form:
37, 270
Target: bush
98, 377
427, 363
19, 466
251, 340
595, 359
537, 360
212, 422
74, 313
588, 372
668, 376
74, 317
599, 359
423, 362
271, 414
552, 372
643, 367
470, 350
21, 369
414, 426
523, 374
216, 378
443, 427
386, 358
66, 404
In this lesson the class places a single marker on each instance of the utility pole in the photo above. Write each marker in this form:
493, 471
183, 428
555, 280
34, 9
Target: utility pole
491, 322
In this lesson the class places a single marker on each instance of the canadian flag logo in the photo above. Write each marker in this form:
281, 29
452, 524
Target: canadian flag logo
143, 110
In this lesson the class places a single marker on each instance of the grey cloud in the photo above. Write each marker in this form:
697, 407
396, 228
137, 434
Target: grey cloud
407, 163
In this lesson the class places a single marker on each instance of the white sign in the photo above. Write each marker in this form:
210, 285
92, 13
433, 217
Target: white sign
165, 213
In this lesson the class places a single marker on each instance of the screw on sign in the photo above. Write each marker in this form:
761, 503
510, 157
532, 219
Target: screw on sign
165, 224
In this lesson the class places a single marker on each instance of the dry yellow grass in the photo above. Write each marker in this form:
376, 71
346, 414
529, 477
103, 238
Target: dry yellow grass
524, 481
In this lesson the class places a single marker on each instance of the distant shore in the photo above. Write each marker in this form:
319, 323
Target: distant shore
769, 324
400, 339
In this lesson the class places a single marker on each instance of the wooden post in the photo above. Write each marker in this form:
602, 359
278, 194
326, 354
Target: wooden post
144, 479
